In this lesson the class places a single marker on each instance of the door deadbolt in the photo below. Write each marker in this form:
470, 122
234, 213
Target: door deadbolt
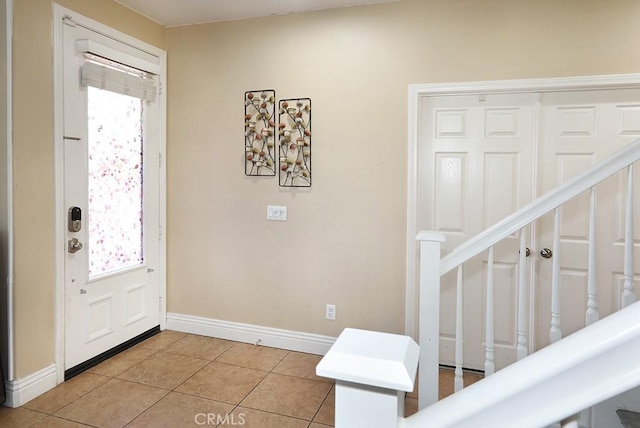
74, 245
546, 253
75, 219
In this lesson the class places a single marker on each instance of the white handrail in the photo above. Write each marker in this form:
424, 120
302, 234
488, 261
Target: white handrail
586, 368
536, 209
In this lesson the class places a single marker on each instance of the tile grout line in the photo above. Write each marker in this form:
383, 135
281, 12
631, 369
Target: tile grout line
252, 389
86, 393
295, 377
38, 421
322, 404
156, 352
209, 362
147, 409
262, 380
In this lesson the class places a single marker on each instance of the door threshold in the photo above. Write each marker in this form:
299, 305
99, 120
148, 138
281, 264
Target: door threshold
76, 370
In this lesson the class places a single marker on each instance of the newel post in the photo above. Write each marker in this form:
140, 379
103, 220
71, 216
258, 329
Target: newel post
429, 320
373, 372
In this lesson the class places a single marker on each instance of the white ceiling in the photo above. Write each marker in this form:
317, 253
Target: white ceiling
186, 12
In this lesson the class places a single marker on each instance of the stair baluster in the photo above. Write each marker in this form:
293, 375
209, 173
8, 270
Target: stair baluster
458, 382
592, 314
628, 295
489, 365
521, 349
555, 333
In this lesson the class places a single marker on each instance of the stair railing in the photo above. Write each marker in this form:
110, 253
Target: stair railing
586, 368
432, 267
373, 370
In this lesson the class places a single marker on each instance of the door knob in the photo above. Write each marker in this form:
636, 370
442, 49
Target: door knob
527, 252
546, 253
74, 245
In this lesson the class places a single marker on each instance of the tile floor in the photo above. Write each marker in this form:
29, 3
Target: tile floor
181, 380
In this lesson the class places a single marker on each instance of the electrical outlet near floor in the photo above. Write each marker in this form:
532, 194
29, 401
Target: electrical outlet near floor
331, 312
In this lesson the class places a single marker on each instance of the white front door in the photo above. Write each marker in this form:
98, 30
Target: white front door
111, 198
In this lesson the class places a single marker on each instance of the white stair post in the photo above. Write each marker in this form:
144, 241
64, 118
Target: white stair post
429, 335
373, 371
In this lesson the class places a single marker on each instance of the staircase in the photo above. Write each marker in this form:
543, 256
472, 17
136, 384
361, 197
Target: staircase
560, 384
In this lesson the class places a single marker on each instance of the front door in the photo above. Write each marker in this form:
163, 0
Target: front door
111, 197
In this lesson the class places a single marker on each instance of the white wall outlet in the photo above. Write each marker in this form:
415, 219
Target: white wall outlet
331, 312
277, 213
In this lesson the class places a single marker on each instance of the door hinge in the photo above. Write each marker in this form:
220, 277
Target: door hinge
159, 233
159, 88
159, 160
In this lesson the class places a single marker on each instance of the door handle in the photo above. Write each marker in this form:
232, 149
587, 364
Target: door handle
74, 245
546, 253
527, 252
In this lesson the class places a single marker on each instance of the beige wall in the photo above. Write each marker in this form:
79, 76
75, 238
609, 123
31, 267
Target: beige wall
33, 164
344, 242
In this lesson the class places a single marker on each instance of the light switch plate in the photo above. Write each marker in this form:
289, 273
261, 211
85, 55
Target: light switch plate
276, 213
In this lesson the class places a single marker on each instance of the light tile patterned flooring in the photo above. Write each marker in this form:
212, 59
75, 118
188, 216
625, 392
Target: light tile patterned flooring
181, 380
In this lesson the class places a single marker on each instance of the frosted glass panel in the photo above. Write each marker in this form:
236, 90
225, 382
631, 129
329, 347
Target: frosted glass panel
115, 182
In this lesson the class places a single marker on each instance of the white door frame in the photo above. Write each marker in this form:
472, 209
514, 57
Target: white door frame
8, 209
60, 211
416, 92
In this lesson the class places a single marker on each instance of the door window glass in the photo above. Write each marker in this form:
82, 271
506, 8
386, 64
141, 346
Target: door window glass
115, 123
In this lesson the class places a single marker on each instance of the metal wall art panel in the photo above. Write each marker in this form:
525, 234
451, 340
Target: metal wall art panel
294, 133
259, 133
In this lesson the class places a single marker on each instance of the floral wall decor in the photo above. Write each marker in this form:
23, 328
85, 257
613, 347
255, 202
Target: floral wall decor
294, 133
259, 133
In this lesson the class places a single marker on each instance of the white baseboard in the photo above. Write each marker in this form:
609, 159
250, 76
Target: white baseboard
249, 333
23, 390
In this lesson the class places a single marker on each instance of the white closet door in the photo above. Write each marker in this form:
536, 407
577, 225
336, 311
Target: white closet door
476, 168
579, 129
